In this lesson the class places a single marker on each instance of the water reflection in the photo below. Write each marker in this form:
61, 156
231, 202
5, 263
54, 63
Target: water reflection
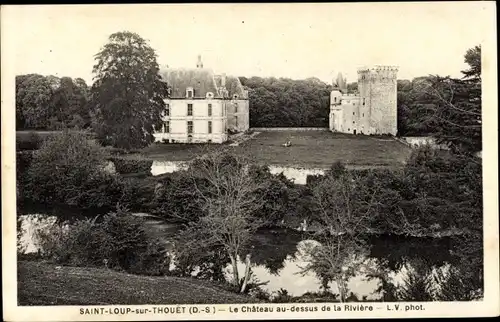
278, 257
296, 175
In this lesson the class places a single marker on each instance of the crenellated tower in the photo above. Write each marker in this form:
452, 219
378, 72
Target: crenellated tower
378, 99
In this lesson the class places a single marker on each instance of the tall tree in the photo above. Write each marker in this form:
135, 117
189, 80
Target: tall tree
458, 107
33, 94
128, 93
229, 200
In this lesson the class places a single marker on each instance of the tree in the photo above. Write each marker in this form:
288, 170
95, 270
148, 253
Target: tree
33, 94
229, 201
286, 102
457, 109
344, 206
128, 93
473, 59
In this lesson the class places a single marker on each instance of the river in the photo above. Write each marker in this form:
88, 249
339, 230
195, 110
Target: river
278, 256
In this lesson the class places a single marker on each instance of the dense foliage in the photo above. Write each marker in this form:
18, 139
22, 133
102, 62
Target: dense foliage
126, 166
117, 241
51, 103
67, 169
283, 102
128, 93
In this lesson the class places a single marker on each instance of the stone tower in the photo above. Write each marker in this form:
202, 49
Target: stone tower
378, 99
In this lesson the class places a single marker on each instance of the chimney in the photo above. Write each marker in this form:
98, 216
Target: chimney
223, 80
199, 64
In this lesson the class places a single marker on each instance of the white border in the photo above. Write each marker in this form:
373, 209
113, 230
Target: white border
488, 307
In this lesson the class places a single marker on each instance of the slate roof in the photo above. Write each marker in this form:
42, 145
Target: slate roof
179, 79
202, 80
233, 85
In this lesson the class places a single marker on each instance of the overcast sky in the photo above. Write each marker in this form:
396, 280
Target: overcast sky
281, 40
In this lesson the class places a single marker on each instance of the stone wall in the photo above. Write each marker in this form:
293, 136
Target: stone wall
298, 129
238, 118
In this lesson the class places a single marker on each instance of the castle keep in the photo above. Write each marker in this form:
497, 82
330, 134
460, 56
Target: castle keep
373, 110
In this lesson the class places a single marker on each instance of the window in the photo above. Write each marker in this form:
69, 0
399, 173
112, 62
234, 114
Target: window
335, 99
352, 122
236, 121
190, 109
209, 109
363, 114
190, 127
209, 126
189, 92
353, 113
167, 110
167, 127
235, 108
363, 101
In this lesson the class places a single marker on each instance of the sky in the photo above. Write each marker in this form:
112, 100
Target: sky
282, 40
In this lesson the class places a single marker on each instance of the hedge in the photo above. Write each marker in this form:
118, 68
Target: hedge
23, 161
28, 141
127, 166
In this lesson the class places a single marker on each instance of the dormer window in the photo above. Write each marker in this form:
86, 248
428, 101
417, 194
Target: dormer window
235, 96
210, 95
189, 92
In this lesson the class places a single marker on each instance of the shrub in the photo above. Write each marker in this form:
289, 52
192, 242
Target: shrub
125, 166
31, 141
176, 199
63, 170
137, 194
77, 122
54, 124
119, 241
23, 162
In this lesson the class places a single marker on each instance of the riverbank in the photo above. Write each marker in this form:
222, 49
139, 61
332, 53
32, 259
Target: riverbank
42, 283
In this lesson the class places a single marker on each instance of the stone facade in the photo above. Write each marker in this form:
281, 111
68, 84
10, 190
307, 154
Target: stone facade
371, 111
202, 106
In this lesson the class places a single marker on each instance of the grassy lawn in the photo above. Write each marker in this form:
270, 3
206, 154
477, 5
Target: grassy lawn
44, 284
315, 149
312, 149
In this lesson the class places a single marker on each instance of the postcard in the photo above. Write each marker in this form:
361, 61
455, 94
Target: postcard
249, 161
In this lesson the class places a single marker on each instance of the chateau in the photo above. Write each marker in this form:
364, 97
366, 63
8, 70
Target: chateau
202, 107
373, 110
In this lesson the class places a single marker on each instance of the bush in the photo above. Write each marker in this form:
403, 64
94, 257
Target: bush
126, 166
63, 170
137, 194
176, 199
23, 161
77, 122
120, 241
30, 141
